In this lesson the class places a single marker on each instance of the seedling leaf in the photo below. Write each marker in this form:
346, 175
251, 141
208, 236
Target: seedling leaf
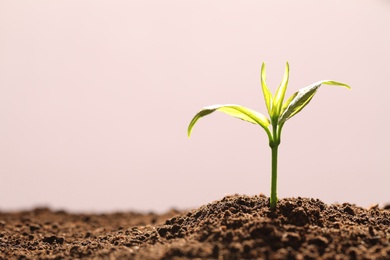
237, 111
280, 93
266, 91
301, 98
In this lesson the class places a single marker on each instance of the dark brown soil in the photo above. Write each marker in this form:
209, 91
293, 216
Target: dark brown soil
236, 227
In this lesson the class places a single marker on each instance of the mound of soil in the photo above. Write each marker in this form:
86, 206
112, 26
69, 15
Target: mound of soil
236, 227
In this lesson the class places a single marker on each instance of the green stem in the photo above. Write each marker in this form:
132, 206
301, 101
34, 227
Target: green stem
274, 198
274, 144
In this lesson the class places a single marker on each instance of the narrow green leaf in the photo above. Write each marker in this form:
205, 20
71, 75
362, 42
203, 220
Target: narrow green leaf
237, 111
266, 91
280, 93
301, 98
334, 83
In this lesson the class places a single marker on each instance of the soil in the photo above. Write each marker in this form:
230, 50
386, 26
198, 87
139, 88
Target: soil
236, 227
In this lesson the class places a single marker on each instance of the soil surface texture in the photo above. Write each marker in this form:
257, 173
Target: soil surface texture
236, 227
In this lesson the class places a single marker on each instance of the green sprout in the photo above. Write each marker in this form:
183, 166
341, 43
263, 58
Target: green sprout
279, 112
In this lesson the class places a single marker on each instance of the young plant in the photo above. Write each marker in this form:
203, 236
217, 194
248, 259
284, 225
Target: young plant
278, 110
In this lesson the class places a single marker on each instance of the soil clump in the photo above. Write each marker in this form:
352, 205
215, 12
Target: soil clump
235, 227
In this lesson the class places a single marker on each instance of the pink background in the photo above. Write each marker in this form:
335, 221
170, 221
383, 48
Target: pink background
96, 96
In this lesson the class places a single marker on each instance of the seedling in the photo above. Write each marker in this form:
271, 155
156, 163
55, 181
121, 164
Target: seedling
279, 112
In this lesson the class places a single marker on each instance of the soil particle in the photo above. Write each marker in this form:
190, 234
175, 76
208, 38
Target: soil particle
235, 227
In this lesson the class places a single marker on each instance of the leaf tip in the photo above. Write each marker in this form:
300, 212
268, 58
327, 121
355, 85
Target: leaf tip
262, 70
189, 129
287, 69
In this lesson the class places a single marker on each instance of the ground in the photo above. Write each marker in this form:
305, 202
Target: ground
235, 227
